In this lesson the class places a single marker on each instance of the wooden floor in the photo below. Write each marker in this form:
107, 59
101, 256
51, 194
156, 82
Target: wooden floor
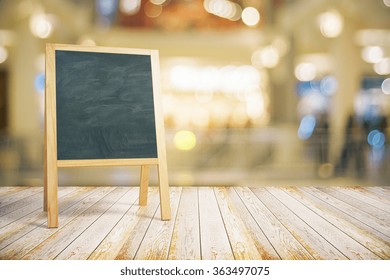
207, 223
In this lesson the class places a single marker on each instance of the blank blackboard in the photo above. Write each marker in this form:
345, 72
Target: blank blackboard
104, 106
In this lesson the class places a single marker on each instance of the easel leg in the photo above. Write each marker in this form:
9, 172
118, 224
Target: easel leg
144, 184
45, 174
165, 205
52, 196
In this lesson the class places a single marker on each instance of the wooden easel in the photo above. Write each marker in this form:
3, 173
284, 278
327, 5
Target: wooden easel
51, 163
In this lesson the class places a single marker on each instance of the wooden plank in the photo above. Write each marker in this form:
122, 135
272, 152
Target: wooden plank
50, 160
371, 193
10, 198
380, 192
26, 226
107, 162
14, 216
282, 240
82, 247
73, 206
348, 246
144, 184
214, 241
124, 239
313, 242
8, 190
185, 244
155, 245
162, 167
65, 235
263, 245
359, 219
359, 204
21, 202
367, 198
242, 244
101, 49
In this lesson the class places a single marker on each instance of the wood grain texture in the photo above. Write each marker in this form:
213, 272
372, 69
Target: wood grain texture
106, 223
72, 208
283, 241
57, 242
215, 243
50, 160
12, 197
336, 235
162, 168
156, 242
263, 245
313, 242
83, 246
185, 244
350, 213
107, 162
18, 239
241, 241
144, 185
357, 203
124, 239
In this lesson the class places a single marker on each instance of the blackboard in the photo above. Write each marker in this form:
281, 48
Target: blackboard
105, 107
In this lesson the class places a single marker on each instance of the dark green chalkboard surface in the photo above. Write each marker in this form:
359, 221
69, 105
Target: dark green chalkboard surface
105, 107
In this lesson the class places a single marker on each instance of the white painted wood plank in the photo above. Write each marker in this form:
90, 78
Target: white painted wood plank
367, 198
359, 204
29, 208
348, 246
359, 218
14, 231
65, 235
263, 245
124, 239
313, 242
155, 245
8, 191
214, 240
282, 240
241, 242
372, 193
19, 199
77, 203
82, 247
185, 244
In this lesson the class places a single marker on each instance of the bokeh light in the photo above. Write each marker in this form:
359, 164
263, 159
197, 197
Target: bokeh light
376, 139
305, 71
250, 16
267, 57
223, 8
39, 82
41, 25
130, 7
386, 86
152, 10
306, 127
331, 24
185, 140
3, 54
372, 54
387, 3
382, 67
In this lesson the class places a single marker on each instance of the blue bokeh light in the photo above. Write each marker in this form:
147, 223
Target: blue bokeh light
306, 127
376, 139
39, 82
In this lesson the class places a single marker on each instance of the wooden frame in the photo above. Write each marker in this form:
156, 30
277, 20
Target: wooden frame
51, 163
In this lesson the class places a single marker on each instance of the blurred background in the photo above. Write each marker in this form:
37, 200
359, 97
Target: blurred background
255, 92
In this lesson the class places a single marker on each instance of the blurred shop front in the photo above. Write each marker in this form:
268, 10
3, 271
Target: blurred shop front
255, 92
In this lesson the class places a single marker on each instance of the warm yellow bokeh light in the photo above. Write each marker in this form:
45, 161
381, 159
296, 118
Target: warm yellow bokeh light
184, 140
